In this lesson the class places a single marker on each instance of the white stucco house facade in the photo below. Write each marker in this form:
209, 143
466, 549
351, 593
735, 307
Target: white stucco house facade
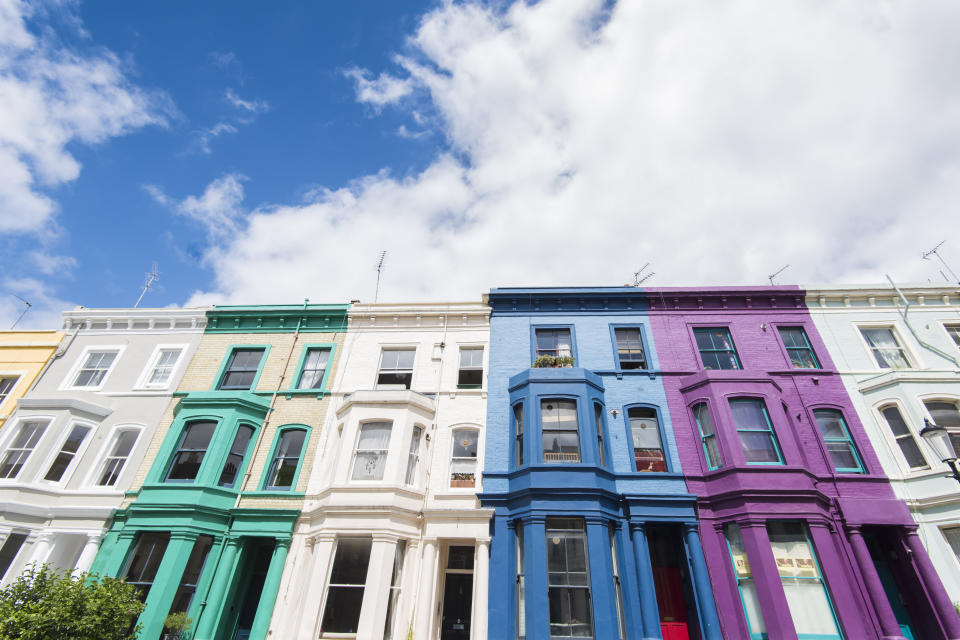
392, 542
75, 440
899, 356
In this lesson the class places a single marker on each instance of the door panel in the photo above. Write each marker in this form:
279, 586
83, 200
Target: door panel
457, 606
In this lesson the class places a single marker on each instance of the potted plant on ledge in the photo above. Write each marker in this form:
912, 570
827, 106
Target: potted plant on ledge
549, 362
175, 626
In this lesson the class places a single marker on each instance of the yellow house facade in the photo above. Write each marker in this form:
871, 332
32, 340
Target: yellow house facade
23, 355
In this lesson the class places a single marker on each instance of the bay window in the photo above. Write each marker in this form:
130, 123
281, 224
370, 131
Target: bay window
348, 578
67, 452
19, 451
708, 436
904, 437
560, 430
186, 460
118, 456
568, 579
836, 436
757, 438
413, 457
373, 444
238, 451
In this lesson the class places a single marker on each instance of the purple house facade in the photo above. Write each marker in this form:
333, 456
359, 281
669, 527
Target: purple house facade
802, 533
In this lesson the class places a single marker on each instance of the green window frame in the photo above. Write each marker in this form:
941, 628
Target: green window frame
753, 433
798, 347
840, 445
192, 449
708, 435
304, 370
218, 383
716, 347
280, 458
233, 466
746, 587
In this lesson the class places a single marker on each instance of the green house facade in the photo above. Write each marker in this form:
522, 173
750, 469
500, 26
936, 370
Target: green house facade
207, 524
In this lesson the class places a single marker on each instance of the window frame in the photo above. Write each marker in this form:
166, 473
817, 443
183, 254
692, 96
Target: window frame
228, 451
175, 449
386, 451
413, 366
663, 437
848, 439
16, 554
11, 435
588, 587
577, 402
644, 343
482, 368
779, 326
113, 437
771, 429
520, 456
54, 453
221, 372
945, 399
16, 376
714, 326
950, 327
703, 445
912, 360
268, 468
600, 424
955, 552
477, 469
412, 469
68, 382
143, 381
553, 327
328, 583
890, 436
298, 372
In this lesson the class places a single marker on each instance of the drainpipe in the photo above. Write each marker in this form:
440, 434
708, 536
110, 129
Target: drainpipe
906, 321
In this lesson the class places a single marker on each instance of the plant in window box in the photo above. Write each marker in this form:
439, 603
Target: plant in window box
176, 625
461, 480
548, 362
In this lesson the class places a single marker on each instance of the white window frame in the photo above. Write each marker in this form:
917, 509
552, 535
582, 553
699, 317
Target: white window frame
946, 541
19, 375
478, 468
11, 435
947, 325
386, 479
936, 397
143, 382
891, 440
95, 470
894, 328
68, 381
472, 346
413, 366
52, 454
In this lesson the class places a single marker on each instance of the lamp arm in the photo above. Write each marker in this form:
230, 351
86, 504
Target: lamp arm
953, 468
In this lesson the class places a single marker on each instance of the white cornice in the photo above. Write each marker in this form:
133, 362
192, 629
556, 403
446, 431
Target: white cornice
172, 320
388, 397
423, 315
880, 297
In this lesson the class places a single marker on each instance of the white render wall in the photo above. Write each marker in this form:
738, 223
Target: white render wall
428, 514
64, 520
932, 495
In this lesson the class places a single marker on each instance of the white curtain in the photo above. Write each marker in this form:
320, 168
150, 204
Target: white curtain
372, 447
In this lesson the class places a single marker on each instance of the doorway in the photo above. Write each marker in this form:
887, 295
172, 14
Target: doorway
457, 594
882, 552
671, 579
250, 575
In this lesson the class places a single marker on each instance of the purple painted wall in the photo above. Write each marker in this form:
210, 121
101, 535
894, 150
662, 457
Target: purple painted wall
836, 507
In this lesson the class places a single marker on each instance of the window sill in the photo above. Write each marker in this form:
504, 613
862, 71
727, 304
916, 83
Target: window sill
265, 493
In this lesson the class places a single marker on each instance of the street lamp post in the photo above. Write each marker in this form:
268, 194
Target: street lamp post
939, 439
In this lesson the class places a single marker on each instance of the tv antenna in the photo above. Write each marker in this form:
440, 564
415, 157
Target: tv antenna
22, 313
639, 279
376, 293
776, 273
935, 252
151, 277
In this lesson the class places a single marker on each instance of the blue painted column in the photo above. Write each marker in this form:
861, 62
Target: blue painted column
628, 578
649, 614
605, 622
701, 583
502, 589
535, 561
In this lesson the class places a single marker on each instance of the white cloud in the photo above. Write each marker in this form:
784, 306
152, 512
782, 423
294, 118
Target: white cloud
201, 143
52, 96
44, 312
718, 141
218, 210
383, 90
252, 107
52, 265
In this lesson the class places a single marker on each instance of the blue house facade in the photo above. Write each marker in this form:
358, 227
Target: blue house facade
594, 533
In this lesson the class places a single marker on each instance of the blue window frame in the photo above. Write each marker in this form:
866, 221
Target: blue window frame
798, 347
560, 430
708, 436
716, 347
756, 433
598, 422
518, 432
191, 450
286, 459
568, 579
241, 369
629, 348
836, 436
558, 341
646, 439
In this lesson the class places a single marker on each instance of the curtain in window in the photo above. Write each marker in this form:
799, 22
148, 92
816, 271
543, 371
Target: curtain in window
463, 466
372, 447
748, 589
647, 447
707, 435
802, 584
314, 366
886, 349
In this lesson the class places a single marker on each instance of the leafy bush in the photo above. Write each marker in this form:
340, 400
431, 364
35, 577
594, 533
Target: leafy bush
546, 362
46, 604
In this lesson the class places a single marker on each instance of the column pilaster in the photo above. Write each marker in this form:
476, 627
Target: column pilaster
271, 586
425, 597
310, 612
89, 552
166, 583
211, 607
649, 614
481, 573
938, 595
701, 583
766, 577
878, 597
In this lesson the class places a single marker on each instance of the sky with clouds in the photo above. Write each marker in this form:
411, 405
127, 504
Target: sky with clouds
264, 154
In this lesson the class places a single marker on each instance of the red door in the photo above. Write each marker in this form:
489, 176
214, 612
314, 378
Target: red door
671, 603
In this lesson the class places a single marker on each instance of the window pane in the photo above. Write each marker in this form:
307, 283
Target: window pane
470, 357
716, 348
67, 453
647, 447
465, 443
954, 332
242, 369
237, 453
568, 578
758, 447
314, 366
908, 445
518, 425
944, 414
886, 349
748, 414
21, 448
191, 574
145, 561
630, 348
372, 446
347, 579
9, 550
744, 575
952, 534
193, 448
554, 342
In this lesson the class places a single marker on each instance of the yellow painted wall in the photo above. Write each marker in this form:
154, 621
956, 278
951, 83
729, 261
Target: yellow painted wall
22, 356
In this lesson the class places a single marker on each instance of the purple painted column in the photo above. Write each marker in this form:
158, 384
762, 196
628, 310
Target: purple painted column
889, 626
941, 601
773, 601
847, 602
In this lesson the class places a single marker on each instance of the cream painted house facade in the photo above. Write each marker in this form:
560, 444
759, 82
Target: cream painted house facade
899, 357
23, 355
392, 540
74, 442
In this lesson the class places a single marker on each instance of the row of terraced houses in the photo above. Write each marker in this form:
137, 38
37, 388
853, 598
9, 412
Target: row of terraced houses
544, 463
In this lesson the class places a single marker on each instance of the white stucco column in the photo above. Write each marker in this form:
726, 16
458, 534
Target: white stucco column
376, 592
309, 610
481, 571
286, 613
425, 597
85, 561
41, 549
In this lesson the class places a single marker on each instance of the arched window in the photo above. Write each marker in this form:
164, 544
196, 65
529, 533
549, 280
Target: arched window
186, 460
238, 451
414, 456
117, 457
757, 439
463, 461
904, 437
286, 460
647, 444
840, 447
707, 435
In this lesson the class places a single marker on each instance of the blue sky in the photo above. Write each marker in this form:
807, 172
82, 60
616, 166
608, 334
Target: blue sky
264, 153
